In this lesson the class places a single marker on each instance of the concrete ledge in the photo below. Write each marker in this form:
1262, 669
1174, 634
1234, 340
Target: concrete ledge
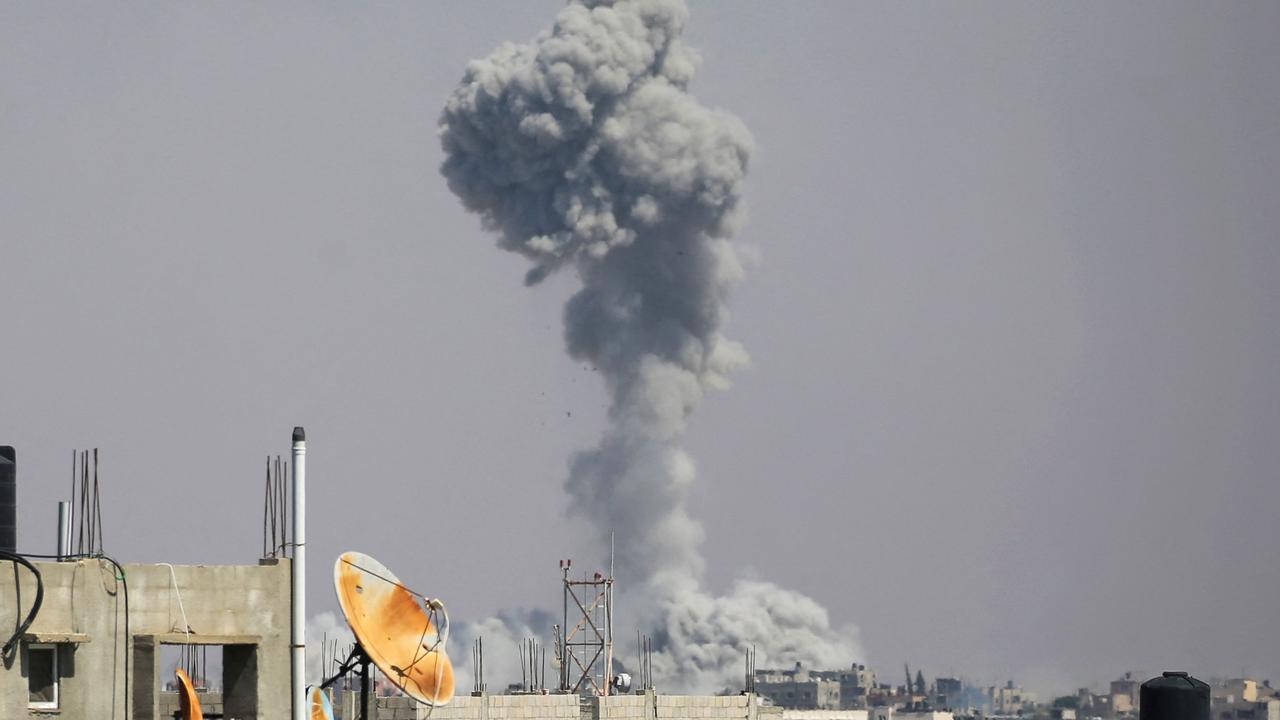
179, 638
55, 637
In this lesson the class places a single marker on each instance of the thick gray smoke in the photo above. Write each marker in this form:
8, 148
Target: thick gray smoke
584, 149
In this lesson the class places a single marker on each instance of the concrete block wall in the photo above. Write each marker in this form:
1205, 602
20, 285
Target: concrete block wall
699, 707
647, 706
533, 707
462, 707
499, 707
484, 707
397, 708
824, 714
625, 707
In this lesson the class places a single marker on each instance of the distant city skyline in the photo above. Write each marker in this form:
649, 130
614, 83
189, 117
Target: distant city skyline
1011, 312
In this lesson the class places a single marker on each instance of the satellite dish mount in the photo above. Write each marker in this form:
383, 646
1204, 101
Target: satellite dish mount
357, 659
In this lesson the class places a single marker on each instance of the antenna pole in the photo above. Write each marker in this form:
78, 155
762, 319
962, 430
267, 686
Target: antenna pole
608, 619
564, 632
364, 686
298, 642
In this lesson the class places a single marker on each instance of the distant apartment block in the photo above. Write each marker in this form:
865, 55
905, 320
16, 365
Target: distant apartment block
1244, 699
803, 689
948, 693
1008, 699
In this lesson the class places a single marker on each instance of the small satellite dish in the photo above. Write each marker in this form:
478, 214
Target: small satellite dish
321, 708
188, 701
402, 631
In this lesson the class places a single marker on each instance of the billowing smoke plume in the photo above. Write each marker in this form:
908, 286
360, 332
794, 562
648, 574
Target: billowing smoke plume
584, 149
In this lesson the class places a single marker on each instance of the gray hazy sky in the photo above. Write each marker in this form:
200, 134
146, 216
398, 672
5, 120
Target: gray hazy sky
1015, 327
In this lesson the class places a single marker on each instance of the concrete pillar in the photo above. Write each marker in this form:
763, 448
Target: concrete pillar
478, 709
589, 707
145, 672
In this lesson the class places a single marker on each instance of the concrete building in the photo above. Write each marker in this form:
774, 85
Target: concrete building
1263, 709
948, 693
875, 713
1125, 695
888, 712
922, 715
856, 685
1095, 705
83, 657
1007, 700
1242, 690
825, 714
799, 689
1244, 699
803, 689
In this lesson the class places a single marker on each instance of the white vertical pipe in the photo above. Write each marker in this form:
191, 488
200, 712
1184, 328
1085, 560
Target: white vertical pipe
299, 642
64, 529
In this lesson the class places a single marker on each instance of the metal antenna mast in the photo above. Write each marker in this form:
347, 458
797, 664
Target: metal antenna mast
586, 647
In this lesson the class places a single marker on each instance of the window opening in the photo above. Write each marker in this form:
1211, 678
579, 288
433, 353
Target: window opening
203, 664
42, 676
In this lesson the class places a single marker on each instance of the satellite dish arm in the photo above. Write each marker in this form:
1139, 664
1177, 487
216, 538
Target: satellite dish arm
442, 628
357, 657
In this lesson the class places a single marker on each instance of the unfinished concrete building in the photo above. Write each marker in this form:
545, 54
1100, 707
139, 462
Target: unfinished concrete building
86, 637
81, 659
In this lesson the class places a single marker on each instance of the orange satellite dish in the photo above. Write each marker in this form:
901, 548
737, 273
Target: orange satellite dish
403, 632
188, 701
321, 708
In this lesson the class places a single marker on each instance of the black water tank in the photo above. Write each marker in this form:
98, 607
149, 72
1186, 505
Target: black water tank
8, 499
1174, 696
